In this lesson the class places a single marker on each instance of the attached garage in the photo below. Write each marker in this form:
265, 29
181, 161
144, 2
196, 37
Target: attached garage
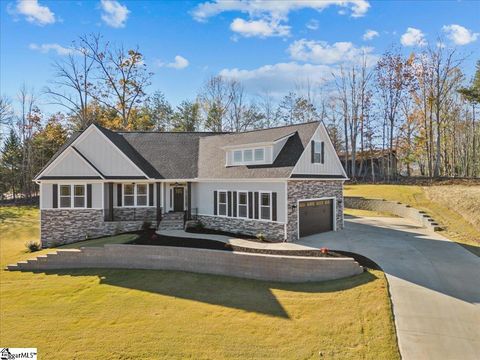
315, 216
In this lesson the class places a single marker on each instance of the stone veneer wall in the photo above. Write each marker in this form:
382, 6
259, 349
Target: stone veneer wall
272, 230
310, 189
65, 226
136, 214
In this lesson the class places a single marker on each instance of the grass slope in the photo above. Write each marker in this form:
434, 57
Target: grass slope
131, 314
455, 207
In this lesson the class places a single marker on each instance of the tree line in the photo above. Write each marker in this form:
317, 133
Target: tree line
417, 112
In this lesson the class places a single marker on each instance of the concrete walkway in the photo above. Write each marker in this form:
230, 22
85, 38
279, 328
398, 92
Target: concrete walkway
434, 284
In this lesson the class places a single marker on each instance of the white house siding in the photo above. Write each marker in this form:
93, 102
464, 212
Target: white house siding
202, 198
105, 156
331, 165
46, 194
70, 164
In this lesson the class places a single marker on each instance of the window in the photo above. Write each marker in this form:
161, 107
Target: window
247, 155
222, 203
142, 194
72, 196
79, 196
259, 154
265, 203
242, 204
135, 195
237, 156
128, 195
317, 152
65, 196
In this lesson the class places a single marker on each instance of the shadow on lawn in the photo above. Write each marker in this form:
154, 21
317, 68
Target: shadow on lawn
249, 295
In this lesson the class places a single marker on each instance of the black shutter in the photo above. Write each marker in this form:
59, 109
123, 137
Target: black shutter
323, 152
250, 204
150, 194
312, 145
110, 201
55, 196
234, 204
89, 195
256, 205
229, 205
274, 206
159, 208
214, 203
119, 195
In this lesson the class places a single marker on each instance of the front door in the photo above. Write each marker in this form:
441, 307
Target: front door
178, 199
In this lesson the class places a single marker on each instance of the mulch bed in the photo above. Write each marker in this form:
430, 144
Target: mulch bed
151, 238
198, 230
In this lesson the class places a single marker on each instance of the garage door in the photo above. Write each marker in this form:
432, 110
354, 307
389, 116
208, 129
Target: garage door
316, 216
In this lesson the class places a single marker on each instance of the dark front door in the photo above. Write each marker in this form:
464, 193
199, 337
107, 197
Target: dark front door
316, 216
178, 199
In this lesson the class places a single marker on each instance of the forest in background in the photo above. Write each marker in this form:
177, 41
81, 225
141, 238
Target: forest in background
419, 110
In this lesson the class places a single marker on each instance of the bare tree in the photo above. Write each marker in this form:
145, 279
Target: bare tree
6, 112
122, 76
71, 84
215, 98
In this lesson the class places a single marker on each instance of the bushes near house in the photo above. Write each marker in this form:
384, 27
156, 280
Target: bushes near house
33, 246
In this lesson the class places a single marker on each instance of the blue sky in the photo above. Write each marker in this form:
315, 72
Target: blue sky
270, 46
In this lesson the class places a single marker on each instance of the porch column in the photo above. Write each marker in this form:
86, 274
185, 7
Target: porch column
189, 200
108, 201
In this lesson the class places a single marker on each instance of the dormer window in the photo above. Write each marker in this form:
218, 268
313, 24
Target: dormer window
249, 156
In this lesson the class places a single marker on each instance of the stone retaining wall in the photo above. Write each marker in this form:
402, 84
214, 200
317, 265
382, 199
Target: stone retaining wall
272, 230
243, 265
396, 208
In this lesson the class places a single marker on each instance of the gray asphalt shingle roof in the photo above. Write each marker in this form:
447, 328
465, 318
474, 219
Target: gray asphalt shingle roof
188, 155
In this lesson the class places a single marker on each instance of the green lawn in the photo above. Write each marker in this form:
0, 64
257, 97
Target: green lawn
131, 314
441, 202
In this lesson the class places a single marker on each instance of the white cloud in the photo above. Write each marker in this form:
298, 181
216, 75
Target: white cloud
260, 28
320, 52
280, 77
179, 63
370, 34
46, 48
114, 14
34, 12
267, 18
313, 24
459, 34
413, 37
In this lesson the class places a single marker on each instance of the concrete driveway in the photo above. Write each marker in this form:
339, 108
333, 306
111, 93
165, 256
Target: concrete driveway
434, 284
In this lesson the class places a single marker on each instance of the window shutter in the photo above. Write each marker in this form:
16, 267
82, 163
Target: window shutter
229, 205
274, 206
312, 145
110, 201
214, 203
256, 205
55, 196
150, 194
250, 204
119, 195
323, 152
89, 195
234, 204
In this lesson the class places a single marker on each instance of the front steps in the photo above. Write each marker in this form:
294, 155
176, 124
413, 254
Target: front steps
171, 221
56, 260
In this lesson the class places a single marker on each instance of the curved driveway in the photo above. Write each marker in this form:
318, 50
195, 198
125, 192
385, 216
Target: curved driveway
434, 284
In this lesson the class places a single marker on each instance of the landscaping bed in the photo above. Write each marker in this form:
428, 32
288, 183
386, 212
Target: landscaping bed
202, 230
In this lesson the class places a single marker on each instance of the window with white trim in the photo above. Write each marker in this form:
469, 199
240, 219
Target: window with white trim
317, 152
222, 203
72, 196
250, 156
265, 206
135, 195
242, 204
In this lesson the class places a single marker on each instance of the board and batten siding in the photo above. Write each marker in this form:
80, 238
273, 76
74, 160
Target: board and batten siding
331, 165
70, 164
105, 156
46, 194
202, 198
